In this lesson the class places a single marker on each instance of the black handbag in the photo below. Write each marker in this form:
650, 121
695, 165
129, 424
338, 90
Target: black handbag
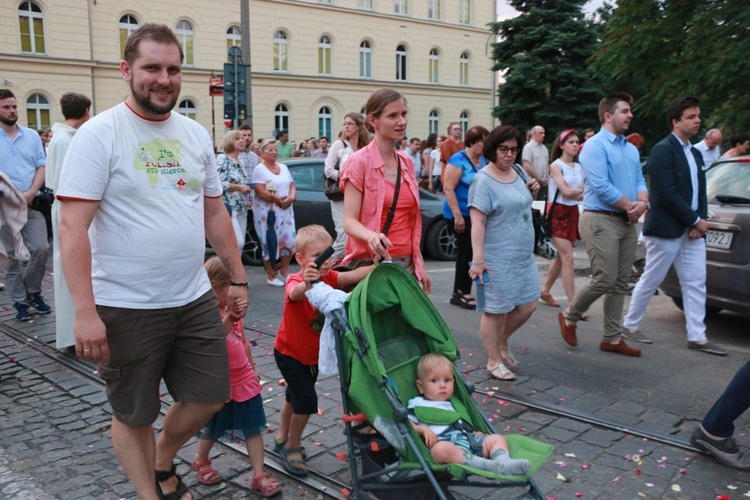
42, 202
543, 245
331, 188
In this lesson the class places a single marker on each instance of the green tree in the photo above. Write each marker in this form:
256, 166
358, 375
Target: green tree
657, 50
543, 53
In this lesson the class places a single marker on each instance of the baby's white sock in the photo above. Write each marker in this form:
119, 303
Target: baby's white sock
503, 464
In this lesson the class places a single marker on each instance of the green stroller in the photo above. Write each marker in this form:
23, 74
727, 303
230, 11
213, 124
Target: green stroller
391, 324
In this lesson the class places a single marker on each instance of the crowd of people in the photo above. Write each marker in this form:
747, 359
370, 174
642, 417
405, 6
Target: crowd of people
132, 179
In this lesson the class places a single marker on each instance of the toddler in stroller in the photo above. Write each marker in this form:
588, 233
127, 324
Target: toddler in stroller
449, 438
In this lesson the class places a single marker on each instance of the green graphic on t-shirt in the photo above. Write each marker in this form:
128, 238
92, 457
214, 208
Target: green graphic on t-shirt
162, 161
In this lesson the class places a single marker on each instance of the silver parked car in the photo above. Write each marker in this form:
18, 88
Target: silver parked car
727, 240
312, 207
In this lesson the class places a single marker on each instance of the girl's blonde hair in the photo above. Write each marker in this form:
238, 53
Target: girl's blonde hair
227, 143
218, 274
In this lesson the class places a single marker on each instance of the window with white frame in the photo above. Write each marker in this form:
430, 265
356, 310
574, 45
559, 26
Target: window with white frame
464, 121
38, 112
402, 7
463, 69
434, 125
433, 9
365, 59
128, 24
324, 55
31, 22
434, 72
325, 118
234, 38
281, 117
367, 4
186, 36
464, 14
401, 63
280, 52
188, 108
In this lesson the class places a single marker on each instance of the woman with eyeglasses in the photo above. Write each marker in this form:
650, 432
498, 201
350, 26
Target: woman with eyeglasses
565, 191
273, 215
373, 178
352, 138
459, 173
502, 240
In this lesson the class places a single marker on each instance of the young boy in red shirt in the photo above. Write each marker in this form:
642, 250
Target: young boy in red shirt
298, 341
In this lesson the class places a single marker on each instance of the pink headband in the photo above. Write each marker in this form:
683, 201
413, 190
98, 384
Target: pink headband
565, 133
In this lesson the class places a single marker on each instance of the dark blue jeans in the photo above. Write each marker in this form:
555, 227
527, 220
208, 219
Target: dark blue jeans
719, 421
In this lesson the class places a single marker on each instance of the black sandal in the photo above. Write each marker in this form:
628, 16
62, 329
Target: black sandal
461, 300
163, 475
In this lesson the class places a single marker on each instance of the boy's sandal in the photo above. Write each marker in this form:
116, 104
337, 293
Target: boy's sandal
178, 493
266, 484
463, 301
278, 446
295, 467
206, 474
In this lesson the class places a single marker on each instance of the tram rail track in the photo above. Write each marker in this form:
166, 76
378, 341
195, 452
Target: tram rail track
318, 481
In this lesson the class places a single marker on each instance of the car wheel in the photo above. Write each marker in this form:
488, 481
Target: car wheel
441, 241
252, 252
710, 310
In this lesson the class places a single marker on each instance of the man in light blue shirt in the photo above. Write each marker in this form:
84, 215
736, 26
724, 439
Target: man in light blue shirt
22, 158
615, 198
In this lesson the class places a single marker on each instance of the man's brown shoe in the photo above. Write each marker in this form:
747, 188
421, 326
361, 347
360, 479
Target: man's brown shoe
568, 332
620, 348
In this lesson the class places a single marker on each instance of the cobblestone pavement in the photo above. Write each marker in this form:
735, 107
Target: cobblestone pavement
55, 442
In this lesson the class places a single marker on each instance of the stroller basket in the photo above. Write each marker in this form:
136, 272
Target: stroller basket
391, 325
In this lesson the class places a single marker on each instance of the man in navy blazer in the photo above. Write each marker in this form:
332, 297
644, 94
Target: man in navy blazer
675, 227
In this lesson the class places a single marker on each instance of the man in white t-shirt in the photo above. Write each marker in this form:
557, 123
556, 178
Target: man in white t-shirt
710, 147
144, 180
535, 158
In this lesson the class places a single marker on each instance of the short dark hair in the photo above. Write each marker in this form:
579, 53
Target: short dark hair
609, 103
474, 135
323, 137
498, 136
245, 126
74, 105
678, 106
6, 94
415, 139
160, 33
281, 132
738, 138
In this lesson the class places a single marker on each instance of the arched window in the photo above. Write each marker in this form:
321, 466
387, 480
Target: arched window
365, 59
464, 14
128, 24
401, 56
324, 55
234, 37
463, 68
280, 52
324, 122
402, 7
464, 120
434, 121
434, 76
38, 112
31, 20
281, 117
187, 108
186, 36
433, 9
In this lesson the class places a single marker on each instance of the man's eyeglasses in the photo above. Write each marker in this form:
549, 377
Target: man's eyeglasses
504, 150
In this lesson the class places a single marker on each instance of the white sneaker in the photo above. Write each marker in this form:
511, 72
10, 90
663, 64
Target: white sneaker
282, 278
275, 282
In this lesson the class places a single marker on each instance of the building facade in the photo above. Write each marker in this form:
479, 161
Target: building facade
312, 61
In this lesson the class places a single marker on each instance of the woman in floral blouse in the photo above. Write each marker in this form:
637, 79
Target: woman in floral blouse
235, 183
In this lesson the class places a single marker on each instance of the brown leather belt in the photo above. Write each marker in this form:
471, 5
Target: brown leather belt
621, 215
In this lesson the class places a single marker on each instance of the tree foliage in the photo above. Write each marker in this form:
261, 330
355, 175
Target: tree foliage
544, 53
657, 50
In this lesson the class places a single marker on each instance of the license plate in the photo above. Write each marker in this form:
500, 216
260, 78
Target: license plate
719, 239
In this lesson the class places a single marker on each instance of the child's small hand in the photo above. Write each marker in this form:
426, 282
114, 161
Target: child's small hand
310, 273
430, 438
478, 433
